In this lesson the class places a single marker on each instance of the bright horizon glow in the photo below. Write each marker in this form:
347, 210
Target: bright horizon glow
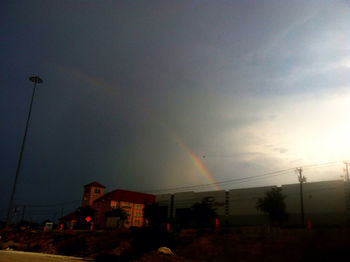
344, 63
305, 129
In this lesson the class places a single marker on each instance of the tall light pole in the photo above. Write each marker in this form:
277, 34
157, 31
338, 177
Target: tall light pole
36, 80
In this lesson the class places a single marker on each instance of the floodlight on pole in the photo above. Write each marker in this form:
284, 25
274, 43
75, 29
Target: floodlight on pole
36, 80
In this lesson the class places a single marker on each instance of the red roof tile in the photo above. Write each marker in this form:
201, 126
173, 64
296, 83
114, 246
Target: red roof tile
128, 196
96, 184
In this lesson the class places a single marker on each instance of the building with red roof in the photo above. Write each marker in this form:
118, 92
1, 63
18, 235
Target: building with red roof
130, 201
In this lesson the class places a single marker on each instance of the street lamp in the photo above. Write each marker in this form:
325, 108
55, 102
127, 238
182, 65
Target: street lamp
36, 80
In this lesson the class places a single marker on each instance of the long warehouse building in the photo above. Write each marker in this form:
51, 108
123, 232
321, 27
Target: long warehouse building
325, 203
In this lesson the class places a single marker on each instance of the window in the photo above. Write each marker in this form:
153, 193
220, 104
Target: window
97, 191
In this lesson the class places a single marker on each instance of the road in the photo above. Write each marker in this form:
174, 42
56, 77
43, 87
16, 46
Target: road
18, 256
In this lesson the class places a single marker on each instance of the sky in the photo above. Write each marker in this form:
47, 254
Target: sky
152, 95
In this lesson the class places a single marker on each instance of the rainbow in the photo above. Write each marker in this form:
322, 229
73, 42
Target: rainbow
84, 77
197, 162
194, 158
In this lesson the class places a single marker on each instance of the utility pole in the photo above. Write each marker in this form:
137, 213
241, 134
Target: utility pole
15, 213
36, 80
302, 179
23, 210
347, 188
54, 216
347, 171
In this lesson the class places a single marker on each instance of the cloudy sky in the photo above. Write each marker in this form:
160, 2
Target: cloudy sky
146, 95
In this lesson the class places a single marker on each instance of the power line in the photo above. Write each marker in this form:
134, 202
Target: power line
321, 165
238, 180
243, 179
56, 204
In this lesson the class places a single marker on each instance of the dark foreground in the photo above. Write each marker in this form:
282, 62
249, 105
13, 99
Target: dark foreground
235, 244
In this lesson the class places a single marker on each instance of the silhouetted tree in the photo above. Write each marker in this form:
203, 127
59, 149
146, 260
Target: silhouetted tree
203, 214
273, 204
156, 215
119, 213
199, 215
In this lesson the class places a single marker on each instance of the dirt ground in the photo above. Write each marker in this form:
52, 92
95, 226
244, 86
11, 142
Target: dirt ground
234, 244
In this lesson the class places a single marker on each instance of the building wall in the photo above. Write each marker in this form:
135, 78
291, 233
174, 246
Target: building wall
165, 200
242, 206
101, 208
90, 194
134, 212
216, 198
325, 202
183, 200
114, 222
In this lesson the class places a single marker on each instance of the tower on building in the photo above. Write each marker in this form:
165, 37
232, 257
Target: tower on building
92, 192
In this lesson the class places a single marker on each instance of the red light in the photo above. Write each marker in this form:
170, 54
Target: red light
88, 219
216, 223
